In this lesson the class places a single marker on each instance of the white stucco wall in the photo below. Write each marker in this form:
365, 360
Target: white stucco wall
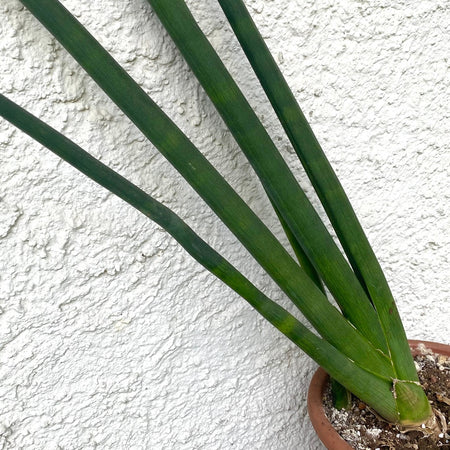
111, 337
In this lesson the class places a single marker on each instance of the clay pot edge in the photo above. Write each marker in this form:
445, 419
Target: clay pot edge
325, 431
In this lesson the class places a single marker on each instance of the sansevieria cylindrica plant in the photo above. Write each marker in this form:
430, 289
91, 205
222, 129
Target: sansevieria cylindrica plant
362, 342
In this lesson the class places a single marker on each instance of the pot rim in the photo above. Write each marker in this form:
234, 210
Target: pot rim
325, 431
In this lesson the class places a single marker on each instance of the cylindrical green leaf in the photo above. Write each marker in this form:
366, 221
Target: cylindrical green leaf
276, 177
325, 182
206, 180
379, 394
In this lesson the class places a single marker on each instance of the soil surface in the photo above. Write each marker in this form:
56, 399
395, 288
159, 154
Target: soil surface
365, 431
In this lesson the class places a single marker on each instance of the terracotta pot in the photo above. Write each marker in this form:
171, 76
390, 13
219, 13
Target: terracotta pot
327, 434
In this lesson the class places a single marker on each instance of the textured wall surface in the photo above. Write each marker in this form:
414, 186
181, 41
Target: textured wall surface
111, 337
